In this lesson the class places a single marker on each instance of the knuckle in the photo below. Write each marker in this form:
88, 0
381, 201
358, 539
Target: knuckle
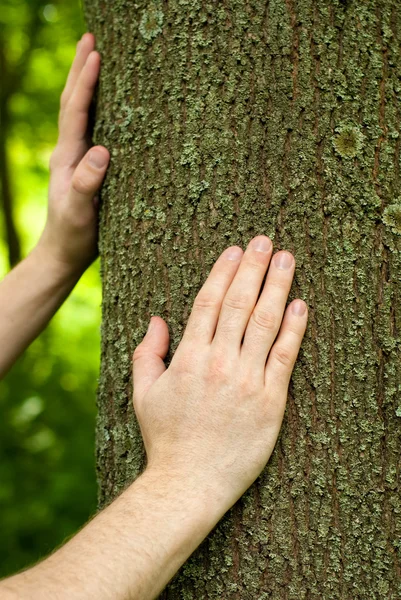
73, 110
295, 330
54, 160
139, 352
256, 261
63, 98
250, 385
219, 368
238, 302
283, 355
205, 300
82, 182
265, 319
280, 283
184, 360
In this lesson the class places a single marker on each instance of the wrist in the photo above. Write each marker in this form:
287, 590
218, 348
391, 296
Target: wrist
176, 515
61, 272
196, 495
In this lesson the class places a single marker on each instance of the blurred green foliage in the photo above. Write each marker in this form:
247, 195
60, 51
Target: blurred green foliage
47, 401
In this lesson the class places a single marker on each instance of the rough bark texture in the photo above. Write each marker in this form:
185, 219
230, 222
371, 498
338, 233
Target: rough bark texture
230, 119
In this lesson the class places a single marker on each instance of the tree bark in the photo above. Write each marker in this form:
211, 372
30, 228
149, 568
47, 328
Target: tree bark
227, 120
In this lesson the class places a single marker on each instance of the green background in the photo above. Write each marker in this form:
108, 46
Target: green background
48, 400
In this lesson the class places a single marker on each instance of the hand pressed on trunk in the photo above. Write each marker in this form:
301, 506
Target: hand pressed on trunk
213, 417
76, 170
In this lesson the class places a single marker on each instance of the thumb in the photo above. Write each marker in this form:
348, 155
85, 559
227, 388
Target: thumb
88, 175
148, 357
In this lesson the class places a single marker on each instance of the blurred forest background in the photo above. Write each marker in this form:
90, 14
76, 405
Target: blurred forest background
47, 401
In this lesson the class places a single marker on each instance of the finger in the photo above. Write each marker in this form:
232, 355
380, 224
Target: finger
285, 350
148, 363
74, 119
243, 292
84, 47
267, 315
88, 176
205, 311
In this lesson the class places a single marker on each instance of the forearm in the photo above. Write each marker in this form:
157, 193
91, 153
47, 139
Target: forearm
29, 296
130, 550
34, 290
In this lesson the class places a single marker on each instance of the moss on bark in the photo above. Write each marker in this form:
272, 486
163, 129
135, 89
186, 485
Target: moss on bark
231, 119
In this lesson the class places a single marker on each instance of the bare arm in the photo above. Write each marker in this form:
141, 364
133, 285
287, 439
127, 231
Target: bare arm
34, 290
209, 422
130, 550
29, 296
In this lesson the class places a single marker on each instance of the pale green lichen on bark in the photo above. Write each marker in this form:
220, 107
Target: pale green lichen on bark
222, 126
348, 140
392, 216
151, 22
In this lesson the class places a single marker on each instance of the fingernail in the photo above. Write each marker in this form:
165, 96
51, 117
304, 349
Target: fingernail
233, 253
283, 260
97, 159
298, 308
261, 244
150, 326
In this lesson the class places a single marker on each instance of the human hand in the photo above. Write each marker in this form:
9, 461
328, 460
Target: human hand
213, 417
76, 170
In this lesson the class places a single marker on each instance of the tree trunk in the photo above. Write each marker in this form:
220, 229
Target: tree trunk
230, 119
